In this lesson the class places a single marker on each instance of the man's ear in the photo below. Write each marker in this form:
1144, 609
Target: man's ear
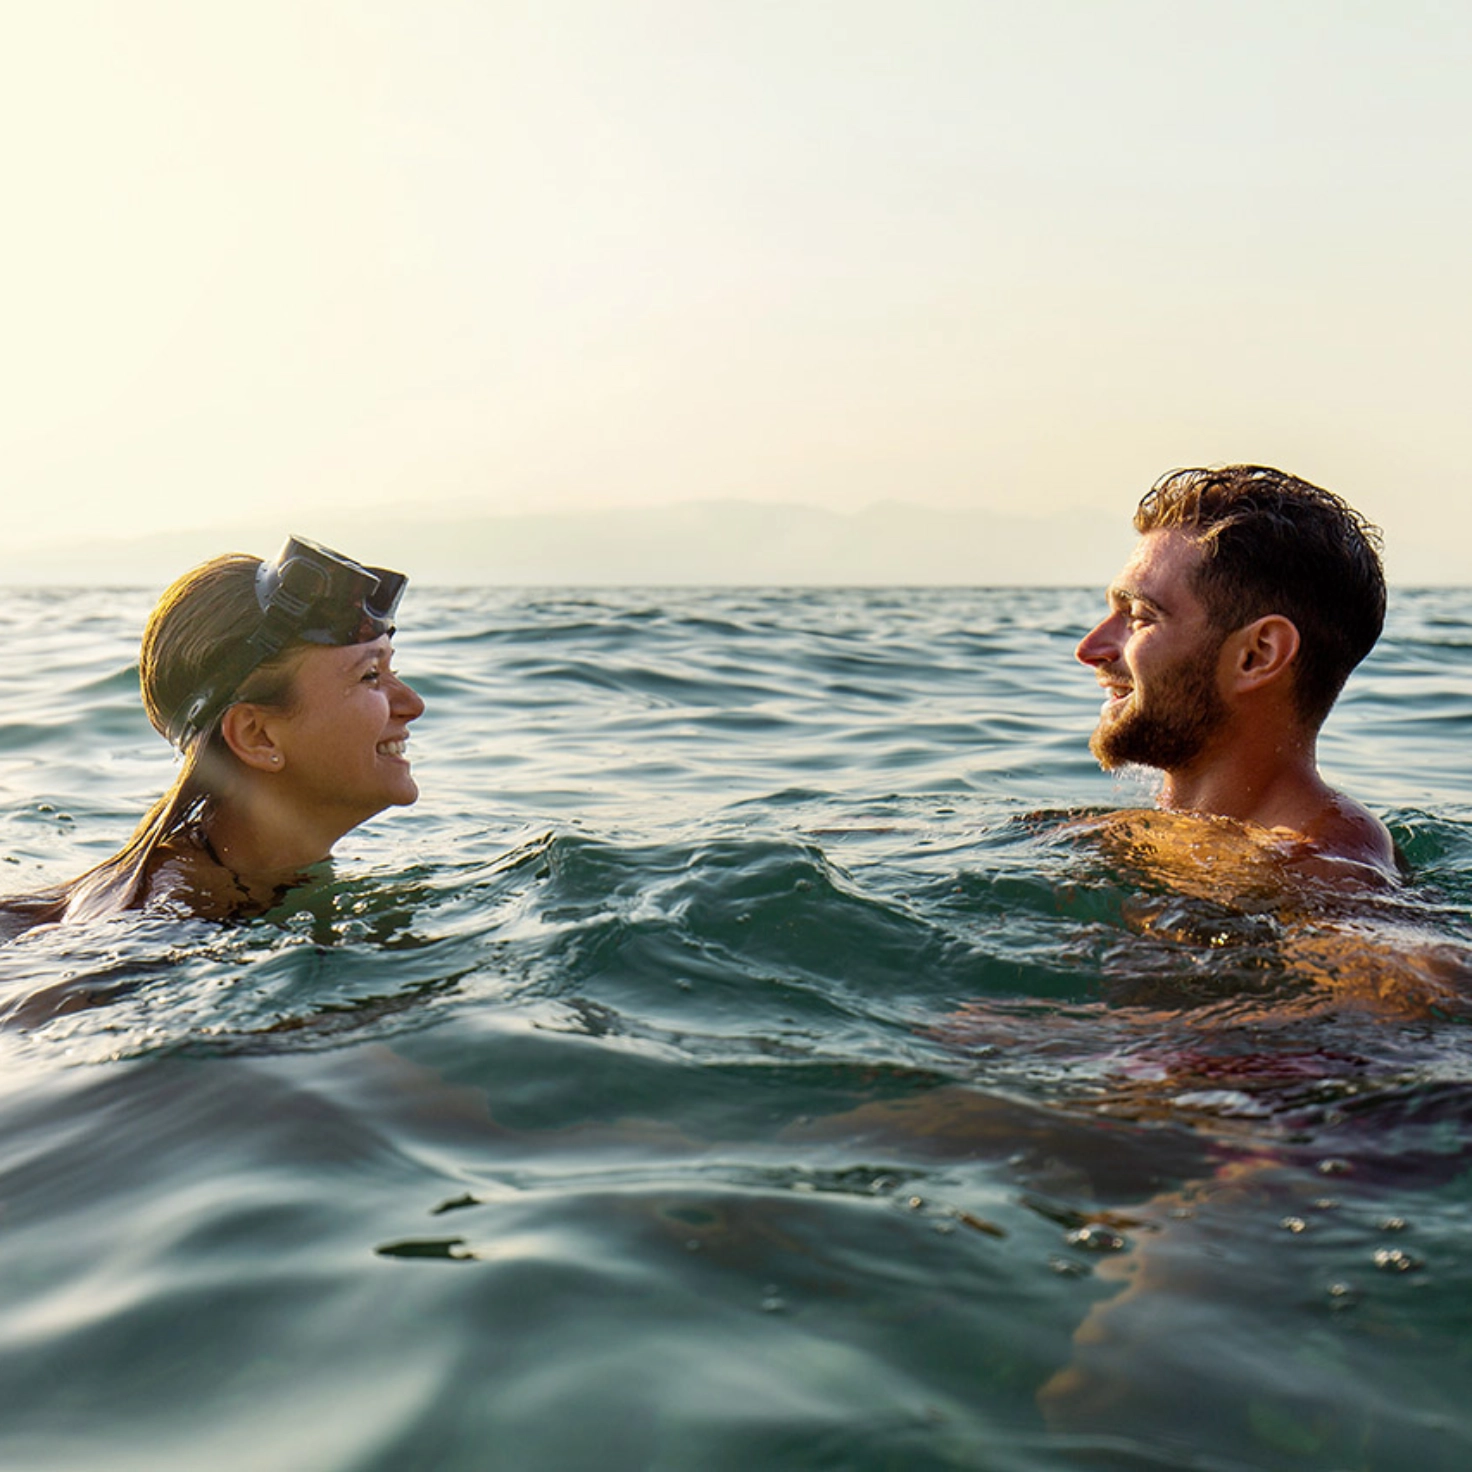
247, 732
1262, 652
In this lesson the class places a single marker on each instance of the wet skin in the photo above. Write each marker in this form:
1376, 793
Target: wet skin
1212, 709
305, 774
343, 741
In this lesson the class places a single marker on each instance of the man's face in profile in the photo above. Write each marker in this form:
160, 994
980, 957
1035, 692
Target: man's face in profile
1156, 656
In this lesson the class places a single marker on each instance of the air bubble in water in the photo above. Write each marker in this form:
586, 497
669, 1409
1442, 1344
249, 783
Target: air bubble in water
1095, 1238
1394, 1260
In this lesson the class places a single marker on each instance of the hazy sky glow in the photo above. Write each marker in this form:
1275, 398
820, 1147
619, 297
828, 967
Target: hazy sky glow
299, 255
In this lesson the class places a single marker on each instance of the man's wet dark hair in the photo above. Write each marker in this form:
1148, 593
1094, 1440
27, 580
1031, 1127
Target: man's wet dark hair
1272, 543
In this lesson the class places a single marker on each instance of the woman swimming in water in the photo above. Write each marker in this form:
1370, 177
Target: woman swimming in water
274, 680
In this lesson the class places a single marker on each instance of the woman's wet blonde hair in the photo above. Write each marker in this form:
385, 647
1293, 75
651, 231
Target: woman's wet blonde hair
199, 625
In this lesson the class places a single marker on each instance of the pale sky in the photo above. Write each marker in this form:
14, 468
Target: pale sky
301, 257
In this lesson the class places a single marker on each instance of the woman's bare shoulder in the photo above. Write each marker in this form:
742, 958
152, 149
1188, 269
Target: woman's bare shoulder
182, 879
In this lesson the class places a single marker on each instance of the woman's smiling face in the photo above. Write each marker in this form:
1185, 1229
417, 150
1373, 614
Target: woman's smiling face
342, 741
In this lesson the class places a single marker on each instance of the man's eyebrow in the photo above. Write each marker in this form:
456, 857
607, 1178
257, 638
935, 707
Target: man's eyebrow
1122, 597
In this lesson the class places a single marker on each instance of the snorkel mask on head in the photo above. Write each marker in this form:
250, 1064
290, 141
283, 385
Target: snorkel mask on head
307, 594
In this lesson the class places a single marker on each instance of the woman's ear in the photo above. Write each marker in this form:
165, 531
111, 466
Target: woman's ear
246, 729
1263, 651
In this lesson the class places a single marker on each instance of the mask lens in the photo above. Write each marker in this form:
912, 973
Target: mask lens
383, 602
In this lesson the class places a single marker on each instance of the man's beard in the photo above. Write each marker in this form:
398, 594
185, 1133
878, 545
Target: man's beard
1171, 726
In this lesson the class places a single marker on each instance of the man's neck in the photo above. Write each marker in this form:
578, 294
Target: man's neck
1275, 786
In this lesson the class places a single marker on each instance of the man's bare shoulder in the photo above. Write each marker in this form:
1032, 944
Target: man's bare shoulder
1223, 859
1344, 837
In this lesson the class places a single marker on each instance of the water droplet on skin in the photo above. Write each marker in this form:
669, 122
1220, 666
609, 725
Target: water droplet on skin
1394, 1260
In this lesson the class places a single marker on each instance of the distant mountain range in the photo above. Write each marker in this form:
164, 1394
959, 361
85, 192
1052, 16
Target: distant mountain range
689, 543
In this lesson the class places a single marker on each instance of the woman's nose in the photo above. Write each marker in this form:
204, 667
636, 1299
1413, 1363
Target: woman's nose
1101, 645
408, 704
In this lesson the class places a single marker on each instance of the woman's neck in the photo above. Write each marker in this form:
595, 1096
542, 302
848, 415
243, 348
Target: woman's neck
252, 835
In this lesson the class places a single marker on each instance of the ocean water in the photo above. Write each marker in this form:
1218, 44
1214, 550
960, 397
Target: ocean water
770, 1042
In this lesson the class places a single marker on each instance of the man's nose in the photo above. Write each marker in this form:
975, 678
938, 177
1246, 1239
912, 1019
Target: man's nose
1101, 645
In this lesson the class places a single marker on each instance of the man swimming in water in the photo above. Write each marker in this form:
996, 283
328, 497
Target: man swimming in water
1249, 598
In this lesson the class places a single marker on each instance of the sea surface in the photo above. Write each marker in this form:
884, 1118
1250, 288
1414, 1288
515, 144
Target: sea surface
769, 1043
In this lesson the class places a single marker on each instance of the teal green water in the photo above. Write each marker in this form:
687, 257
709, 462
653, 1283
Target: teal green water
741, 1057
